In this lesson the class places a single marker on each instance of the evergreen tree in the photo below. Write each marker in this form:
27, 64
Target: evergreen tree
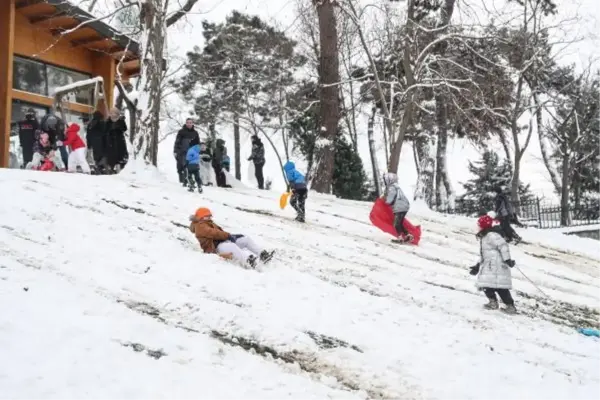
349, 177
489, 173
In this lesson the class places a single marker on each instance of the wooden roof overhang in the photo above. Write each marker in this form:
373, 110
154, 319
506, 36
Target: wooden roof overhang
82, 29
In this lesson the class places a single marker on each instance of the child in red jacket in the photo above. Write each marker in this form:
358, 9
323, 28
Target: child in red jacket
77, 157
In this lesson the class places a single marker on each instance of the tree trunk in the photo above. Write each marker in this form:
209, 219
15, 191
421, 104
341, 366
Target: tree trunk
152, 41
443, 188
426, 179
236, 146
329, 77
516, 178
564, 193
372, 150
509, 159
544, 146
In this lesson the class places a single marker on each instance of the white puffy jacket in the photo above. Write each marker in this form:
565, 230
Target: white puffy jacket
493, 271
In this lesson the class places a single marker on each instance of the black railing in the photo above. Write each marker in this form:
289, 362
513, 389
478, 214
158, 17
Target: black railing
536, 213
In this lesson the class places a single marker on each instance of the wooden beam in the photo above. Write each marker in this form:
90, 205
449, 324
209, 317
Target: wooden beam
44, 18
48, 101
86, 41
7, 40
26, 3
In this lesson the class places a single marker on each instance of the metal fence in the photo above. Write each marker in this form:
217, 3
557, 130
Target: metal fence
536, 213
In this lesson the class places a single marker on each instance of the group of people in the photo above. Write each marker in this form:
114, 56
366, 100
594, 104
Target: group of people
52, 145
194, 159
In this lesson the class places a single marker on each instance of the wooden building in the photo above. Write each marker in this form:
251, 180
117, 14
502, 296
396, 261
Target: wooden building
46, 44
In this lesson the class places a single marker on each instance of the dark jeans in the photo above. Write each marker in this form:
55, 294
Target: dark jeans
64, 155
258, 173
182, 170
193, 171
509, 232
503, 293
298, 202
220, 175
399, 223
27, 151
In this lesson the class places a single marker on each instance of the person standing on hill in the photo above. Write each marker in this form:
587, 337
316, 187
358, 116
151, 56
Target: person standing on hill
193, 166
27, 132
395, 197
493, 270
116, 145
217, 162
96, 140
184, 137
505, 214
258, 158
299, 189
77, 156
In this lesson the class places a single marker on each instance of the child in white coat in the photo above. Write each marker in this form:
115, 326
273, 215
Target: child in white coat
493, 271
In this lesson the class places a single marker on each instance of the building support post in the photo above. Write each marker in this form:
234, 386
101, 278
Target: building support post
7, 33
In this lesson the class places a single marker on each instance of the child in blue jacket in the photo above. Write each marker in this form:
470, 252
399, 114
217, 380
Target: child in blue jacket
297, 184
193, 165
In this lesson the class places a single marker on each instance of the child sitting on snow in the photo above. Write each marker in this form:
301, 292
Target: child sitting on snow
297, 184
213, 239
78, 154
193, 165
44, 152
394, 197
493, 271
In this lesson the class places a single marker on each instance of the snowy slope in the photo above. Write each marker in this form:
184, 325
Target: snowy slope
107, 295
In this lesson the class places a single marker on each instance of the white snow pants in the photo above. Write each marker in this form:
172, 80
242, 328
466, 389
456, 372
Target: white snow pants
205, 173
38, 159
240, 249
78, 158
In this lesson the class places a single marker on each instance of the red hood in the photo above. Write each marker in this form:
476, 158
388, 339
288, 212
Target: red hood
73, 128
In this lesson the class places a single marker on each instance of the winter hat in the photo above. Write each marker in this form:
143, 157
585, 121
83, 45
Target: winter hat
485, 222
73, 128
202, 212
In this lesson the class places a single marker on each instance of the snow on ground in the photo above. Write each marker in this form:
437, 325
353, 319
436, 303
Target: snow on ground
109, 296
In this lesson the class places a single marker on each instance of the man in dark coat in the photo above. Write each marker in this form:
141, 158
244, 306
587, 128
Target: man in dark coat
504, 214
116, 146
217, 162
185, 136
27, 130
258, 158
96, 140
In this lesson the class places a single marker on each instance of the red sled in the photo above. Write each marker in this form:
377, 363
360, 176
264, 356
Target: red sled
382, 217
47, 165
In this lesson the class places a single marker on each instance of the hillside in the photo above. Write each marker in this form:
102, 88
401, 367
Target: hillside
106, 294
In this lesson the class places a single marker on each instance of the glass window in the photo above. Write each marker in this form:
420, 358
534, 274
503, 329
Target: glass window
29, 76
19, 109
80, 119
60, 77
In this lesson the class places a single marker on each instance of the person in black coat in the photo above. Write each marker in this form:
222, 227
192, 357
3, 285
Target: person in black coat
116, 146
96, 139
184, 137
258, 158
217, 162
27, 133
505, 214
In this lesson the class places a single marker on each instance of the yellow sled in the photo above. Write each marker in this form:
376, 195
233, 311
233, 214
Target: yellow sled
283, 200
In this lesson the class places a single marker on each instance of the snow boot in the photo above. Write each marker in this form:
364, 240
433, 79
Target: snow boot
492, 305
251, 261
408, 238
300, 219
510, 309
200, 190
266, 256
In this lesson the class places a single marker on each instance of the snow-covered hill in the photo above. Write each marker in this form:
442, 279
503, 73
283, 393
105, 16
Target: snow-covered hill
106, 294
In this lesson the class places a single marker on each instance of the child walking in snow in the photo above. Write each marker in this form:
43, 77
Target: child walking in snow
297, 184
394, 197
78, 155
205, 165
493, 271
213, 239
193, 165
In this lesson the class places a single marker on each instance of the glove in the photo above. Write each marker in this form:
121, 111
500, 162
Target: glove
510, 263
249, 158
174, 154
474, 270
59, 143
232, 238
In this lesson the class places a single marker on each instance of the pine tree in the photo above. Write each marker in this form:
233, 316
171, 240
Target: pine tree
349, 177
489, 173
